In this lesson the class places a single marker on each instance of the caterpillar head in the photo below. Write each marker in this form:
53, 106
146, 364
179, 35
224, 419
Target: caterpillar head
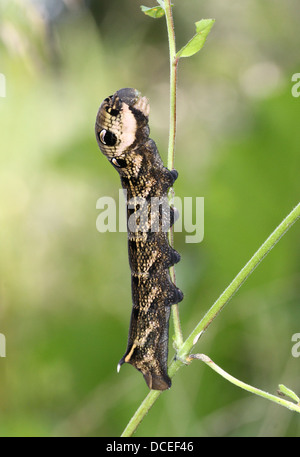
122, 122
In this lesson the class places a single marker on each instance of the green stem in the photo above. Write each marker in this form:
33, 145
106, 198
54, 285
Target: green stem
280, 401
224, 298
173, 80
141, 412
178, 338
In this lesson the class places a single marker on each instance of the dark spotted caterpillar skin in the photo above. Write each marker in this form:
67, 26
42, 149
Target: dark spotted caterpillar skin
122, 133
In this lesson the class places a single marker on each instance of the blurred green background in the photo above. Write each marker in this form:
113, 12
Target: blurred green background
65, 296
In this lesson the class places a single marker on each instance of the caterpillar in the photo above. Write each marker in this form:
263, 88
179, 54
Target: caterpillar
122, 133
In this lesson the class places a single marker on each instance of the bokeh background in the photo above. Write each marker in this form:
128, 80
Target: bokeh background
65, 296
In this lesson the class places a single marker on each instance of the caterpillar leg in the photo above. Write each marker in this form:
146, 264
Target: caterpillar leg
174, 174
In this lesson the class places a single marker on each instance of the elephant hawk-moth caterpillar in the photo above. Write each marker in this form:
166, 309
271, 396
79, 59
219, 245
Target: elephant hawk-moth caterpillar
122, 134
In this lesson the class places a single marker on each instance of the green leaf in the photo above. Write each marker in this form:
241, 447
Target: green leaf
156, 11
196, 43
289, 393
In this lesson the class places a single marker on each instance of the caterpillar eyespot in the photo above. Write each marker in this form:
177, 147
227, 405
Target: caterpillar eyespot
115, 162
107, 137
145, 178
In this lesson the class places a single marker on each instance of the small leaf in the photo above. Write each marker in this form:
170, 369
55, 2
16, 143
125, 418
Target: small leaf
162, 3
288, 393
196, 43
156, 11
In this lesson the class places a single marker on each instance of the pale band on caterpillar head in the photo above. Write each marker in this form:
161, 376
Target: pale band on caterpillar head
116, 124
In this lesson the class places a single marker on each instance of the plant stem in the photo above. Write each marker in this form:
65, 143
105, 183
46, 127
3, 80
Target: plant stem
181, 358
239, 280
280, 401
178, 338
173, 80
141, 412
